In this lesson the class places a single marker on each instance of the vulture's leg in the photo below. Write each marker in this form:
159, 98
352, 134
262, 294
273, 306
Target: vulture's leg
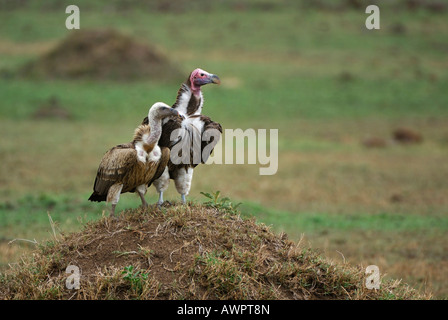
162, 184
183, 182
113, 195
141, 190
160, 201
112, 210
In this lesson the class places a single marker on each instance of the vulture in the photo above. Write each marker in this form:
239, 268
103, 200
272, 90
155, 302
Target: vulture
189, 104
130, 167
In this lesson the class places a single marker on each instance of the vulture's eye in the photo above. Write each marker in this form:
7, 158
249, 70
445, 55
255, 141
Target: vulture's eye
202, 74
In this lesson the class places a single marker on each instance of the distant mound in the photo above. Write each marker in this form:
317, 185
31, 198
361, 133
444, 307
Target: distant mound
407, 136
102, 54
186, 252
52, 109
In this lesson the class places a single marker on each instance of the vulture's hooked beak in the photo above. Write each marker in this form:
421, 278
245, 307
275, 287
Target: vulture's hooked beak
214, 79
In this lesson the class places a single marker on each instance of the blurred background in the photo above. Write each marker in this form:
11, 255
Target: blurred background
362, 117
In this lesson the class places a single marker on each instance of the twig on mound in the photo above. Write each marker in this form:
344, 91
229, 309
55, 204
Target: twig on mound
18, 239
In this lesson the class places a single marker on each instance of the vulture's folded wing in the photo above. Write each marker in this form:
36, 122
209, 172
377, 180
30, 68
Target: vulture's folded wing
167, 129
114, 166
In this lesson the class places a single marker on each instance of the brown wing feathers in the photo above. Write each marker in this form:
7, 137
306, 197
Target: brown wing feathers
120, 165
112, 169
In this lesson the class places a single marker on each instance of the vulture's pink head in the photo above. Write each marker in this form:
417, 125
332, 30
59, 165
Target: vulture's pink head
200, 77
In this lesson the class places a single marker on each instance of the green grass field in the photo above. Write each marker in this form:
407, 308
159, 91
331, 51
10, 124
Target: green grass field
317, 75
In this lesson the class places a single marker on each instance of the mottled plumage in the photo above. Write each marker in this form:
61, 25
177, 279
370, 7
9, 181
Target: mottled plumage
120, 165
132, 166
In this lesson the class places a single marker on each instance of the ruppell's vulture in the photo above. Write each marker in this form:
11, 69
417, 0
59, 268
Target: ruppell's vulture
132, 166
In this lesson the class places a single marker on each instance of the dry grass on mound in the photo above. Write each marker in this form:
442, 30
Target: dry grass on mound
102, 54
186, 252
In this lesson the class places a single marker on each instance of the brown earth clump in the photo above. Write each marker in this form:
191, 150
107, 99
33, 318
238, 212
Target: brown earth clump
186, 252
102, 54
407, 136
374, 142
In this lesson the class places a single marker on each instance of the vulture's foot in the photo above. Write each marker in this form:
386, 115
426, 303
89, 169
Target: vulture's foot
160, 201
145, 205
112, 212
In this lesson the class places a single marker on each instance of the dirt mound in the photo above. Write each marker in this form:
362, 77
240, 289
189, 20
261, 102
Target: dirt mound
102, 54
374, 142
407, 136
52, 109
186, 252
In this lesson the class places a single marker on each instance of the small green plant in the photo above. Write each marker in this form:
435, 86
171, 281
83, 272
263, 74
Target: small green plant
136, 278
220, 203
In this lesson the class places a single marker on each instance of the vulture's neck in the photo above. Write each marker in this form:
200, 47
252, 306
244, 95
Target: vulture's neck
146, 137
155, 125
189, 100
